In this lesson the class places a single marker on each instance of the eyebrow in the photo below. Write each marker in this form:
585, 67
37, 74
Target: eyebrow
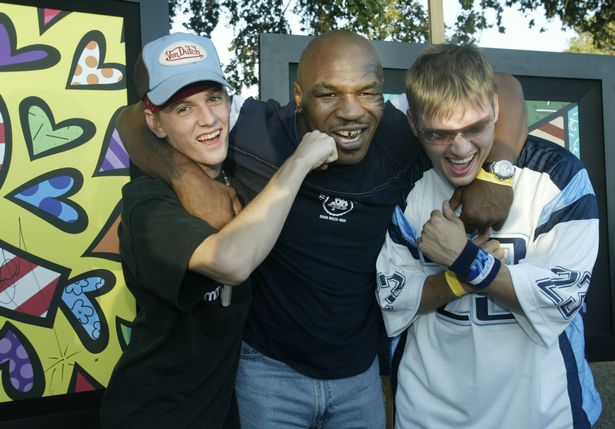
325, 85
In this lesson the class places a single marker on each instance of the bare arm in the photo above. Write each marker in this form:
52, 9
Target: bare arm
511, 127
230, 255
486, 204
436, 293
199, 194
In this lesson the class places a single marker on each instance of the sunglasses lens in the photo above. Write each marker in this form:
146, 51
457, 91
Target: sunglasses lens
476, 131
439, 137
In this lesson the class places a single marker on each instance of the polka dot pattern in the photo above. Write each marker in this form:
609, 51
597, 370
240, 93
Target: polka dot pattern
88, 70
20, 368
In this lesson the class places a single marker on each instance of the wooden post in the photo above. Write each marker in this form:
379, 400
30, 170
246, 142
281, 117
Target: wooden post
436, 21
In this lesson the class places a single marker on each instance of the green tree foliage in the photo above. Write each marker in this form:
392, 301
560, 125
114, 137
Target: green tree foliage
585, 43
398, 20
594, 17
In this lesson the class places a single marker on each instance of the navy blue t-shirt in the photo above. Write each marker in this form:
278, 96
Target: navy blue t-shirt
313, 304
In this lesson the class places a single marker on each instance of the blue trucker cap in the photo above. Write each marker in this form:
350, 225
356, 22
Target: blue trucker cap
177, 60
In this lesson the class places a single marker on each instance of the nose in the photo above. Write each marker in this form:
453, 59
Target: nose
461, 146
206, 117
349, 107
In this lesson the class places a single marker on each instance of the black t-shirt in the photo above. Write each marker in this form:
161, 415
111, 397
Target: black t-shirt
313, 305
179, 369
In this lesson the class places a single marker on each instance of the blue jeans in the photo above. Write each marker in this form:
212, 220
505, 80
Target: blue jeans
272, 395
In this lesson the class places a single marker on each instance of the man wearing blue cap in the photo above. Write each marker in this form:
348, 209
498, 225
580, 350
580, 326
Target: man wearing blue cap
189, 280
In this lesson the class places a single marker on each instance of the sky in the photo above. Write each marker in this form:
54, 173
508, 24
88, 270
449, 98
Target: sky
517, 36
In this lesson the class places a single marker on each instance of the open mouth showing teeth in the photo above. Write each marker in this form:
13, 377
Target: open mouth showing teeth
210, 136
348, 134
461, 161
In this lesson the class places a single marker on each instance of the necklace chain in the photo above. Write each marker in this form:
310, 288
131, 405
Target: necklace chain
227, 182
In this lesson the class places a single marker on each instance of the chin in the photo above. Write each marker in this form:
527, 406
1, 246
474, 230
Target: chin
213, 158
457, 181
346, 157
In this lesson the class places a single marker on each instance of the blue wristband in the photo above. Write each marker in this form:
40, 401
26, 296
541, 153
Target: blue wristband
488, 274
463, 263
476, 266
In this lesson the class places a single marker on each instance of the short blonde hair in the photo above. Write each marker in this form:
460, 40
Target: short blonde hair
446, 76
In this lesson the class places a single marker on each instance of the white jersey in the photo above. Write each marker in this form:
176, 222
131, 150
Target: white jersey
473, 363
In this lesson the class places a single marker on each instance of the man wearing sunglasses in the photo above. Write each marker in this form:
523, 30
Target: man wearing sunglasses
490, 328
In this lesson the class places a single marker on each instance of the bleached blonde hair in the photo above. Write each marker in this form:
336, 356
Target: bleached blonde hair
446, 76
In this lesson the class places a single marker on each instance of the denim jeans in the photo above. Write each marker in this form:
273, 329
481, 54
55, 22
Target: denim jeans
272, 395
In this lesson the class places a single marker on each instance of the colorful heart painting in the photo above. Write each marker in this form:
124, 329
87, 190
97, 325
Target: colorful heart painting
62, 165
82, 381
5, 141
89, 71
47, 196
33, 57
123, 330
83, 311
47, 17
113, 159
43, 136
22, 372
107, 244
29, 286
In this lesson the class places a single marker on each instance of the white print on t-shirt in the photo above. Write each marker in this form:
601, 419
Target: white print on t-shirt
213, 295
335, 208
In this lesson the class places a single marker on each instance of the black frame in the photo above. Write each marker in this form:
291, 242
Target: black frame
588, 80
145, 20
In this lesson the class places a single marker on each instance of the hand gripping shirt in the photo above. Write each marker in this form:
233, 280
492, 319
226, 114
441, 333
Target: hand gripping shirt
472, 363
313, 306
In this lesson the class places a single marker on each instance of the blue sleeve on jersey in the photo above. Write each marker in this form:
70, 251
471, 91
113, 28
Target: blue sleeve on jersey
576, 202
548, 157
402, 232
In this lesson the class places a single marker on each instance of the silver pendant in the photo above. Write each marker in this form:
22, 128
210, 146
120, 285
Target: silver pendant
225, 295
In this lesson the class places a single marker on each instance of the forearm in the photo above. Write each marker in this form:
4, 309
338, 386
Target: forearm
511, 127
230, 255
503, 292
436, 293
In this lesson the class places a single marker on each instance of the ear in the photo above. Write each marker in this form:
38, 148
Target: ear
412, 123
297, 95
496, 108
154, 124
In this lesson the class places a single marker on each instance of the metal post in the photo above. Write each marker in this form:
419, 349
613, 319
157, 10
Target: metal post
436, 21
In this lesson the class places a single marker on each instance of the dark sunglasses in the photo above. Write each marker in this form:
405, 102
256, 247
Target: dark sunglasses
474, 131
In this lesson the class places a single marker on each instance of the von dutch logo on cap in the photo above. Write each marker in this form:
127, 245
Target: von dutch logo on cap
182, 52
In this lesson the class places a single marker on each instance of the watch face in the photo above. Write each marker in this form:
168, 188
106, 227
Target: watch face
503, 169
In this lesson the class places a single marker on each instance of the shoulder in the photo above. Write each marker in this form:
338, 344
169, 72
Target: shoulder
550, 158
394, 115
143, 187
252, 107
144, 191
264, 132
